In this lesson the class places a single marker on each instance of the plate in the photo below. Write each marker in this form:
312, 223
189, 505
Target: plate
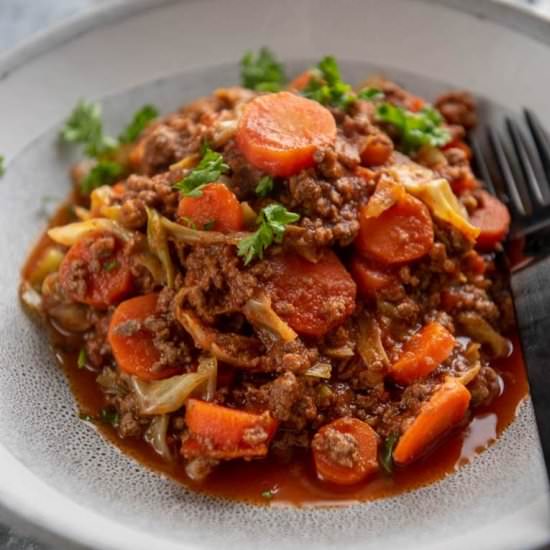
59, 480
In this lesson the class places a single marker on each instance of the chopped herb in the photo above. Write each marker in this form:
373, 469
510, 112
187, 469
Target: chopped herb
86, 417
209, 225
104, 172
386, 453
272, 222
209, 169
84, 126
326, 85
188, 221
268, 494
265, 186
2, 168
139, 122
110, 265
370, 94
414, 129
109, 416
262, 72
82, 359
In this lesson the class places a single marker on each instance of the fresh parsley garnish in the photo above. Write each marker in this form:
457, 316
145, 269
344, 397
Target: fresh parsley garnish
110, 265
326, 85
82, 358
139, 122
104, 172
209, 169
2, 168
109, 416
268, 494
414, 129
272, 222
370, 94
262, 72
86, 417
265, 186
386, 453
209, 225
84, 126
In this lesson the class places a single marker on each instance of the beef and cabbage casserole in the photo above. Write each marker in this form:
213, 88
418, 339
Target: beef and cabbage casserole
279, 274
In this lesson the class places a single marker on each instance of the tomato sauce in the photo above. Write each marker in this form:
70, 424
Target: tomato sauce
271, 482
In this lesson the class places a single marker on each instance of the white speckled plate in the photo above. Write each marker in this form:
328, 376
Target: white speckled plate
58, 478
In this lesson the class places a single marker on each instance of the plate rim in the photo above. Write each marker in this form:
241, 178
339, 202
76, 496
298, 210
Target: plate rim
39, 523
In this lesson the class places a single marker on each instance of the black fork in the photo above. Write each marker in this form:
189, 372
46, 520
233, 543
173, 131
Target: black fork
515, 166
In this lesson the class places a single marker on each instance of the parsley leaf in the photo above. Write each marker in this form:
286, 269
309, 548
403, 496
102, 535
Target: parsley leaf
109, 416
209, 225
272, 221
209, 169
84, 126
110, 265
386, 453
139, 122
2, 169
326, 85
268, 494
82, 358
104, 172
370, 94
414, 129
265, 186
86, 417
262, 72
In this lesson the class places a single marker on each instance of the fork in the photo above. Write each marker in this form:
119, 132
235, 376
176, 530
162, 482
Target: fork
515, 166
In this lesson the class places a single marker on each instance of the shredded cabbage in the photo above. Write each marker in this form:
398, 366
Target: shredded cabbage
320, 370
259, 313
186, 235
72, 232
371, 350
49, 262
437, 194
466, 377
100, 200
209, 366
168, 395
158, 244
156, 436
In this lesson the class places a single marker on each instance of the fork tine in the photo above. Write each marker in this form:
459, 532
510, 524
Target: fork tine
506, 172
540, 138
481, 166
527, 163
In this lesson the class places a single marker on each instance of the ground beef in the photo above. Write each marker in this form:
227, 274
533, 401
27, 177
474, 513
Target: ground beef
340, 448
458, 108
486, 386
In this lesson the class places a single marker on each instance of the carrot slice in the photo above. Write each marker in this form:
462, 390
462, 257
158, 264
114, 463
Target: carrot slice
300, 82
376, 151
345, 466
217, 208
445, 408
493, 218
311, 297
369, 278
224, 433
400, 234
133, 347
279, 133
107, 278
423, 353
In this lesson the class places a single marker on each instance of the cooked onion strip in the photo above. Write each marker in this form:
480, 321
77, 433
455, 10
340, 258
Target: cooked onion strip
168, 395
156, 436
72, 232
186, 235
209, 366
49, 262
259, 313
371, 350
158, 244
466, 377
479, 329
100, 201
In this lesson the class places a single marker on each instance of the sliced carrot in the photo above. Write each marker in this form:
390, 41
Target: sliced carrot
376, 151
224, 433
107, 278
423, 353
414, 103
400, 234
363, 462
493, 218
134, 350
464, 183
279, 133
370, 278
217, 208
445, 408
135, 157
312, 298
300, 82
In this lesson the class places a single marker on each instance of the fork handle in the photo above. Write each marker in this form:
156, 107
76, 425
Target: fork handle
531, 289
